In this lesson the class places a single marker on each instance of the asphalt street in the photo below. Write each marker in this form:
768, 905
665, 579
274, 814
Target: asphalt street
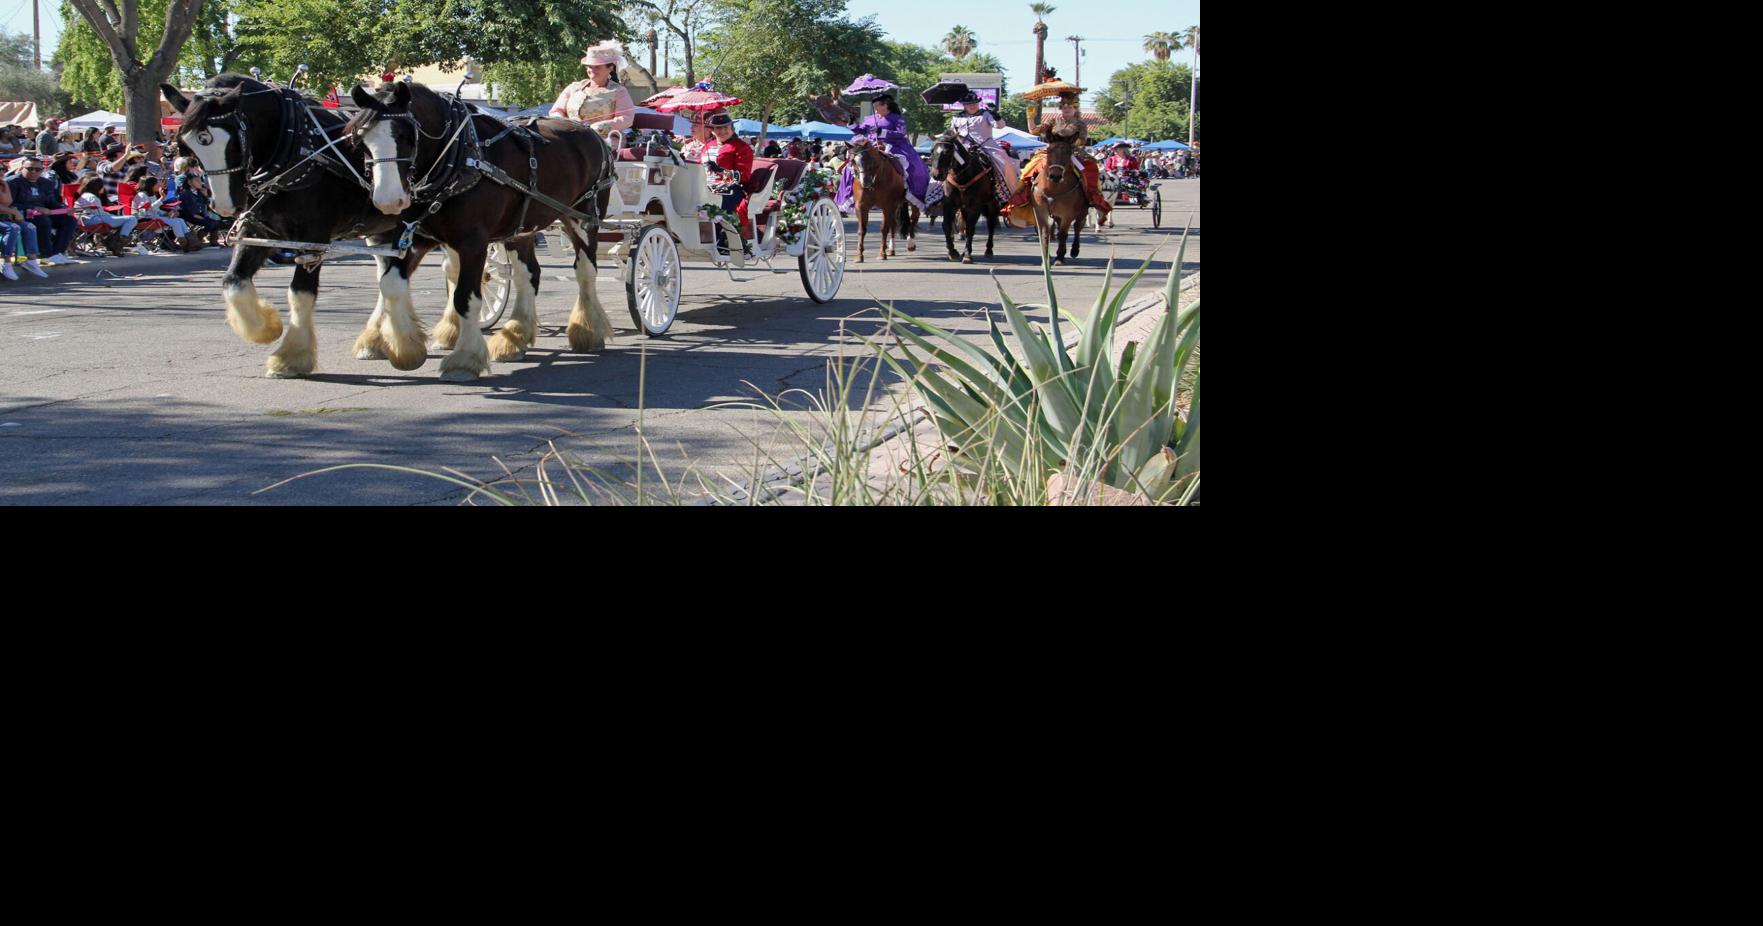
121, 383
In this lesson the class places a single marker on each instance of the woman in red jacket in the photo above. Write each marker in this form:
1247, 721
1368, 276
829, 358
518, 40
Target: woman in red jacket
728, 162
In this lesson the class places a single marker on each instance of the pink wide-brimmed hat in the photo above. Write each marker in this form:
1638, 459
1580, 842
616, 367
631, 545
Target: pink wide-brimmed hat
607, 52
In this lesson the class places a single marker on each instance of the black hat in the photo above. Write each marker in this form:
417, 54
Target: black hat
720, 118
969, 97
887, 98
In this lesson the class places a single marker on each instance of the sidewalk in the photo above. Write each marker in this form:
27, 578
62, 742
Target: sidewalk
89, 270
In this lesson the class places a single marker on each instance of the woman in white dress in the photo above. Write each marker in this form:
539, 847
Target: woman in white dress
976, 125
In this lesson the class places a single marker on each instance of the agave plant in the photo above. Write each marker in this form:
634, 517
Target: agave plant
1041, 410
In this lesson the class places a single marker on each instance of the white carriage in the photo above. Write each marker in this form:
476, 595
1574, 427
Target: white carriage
661, 213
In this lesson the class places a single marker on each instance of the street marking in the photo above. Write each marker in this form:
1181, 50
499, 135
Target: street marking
37, 312
42, 337
10, 424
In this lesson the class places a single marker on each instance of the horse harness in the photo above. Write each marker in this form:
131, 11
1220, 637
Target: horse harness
302, 137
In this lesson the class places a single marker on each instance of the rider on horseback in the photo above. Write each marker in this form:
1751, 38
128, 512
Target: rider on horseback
976, 125
600, 101
888, 128
1065, 125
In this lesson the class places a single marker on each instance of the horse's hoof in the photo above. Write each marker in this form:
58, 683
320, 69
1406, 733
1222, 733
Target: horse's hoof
968, 259
912, 247
954, 256
459, 376
1058, 260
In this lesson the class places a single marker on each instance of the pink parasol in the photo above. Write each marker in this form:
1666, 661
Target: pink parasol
701, 98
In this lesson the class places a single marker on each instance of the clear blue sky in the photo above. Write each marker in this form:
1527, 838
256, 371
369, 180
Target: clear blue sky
1114, 30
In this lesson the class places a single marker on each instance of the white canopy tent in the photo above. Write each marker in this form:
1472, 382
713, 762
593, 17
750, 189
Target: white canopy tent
97, 119
24, 114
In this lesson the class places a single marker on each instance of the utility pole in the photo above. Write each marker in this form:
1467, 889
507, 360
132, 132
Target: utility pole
1076, 54
36, 38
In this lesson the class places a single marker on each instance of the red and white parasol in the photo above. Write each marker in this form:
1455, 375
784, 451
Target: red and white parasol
664, 96
701, 98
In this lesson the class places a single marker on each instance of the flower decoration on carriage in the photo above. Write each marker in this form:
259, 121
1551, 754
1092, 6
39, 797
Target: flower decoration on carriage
816, 183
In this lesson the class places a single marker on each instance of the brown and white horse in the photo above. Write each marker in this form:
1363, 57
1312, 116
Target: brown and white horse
570, 159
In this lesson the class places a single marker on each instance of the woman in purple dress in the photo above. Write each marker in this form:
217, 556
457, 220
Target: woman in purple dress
889, 127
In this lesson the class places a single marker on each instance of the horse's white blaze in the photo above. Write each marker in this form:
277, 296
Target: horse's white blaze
388, 177
213, 158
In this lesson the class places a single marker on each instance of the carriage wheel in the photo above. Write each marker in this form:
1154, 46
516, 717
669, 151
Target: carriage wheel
497, 288
822, 262
1156, 208
656, 278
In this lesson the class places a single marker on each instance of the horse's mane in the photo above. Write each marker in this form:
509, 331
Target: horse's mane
215, 99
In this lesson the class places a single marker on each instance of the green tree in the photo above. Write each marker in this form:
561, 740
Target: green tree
21, 81
960, 41
127, 34
776, 53
1157, 92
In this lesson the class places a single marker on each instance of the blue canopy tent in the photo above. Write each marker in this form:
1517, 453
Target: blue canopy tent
821, 130
1171, 145
1115, 141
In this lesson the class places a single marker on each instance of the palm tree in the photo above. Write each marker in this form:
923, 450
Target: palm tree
959, 42
1162, 43
1040, 30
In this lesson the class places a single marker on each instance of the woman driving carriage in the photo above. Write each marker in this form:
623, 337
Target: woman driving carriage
975, 125
1121, 160
888, 128
1065, 125
600, 101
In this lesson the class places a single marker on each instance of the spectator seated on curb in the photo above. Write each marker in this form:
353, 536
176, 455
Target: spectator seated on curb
38, 196
18, 239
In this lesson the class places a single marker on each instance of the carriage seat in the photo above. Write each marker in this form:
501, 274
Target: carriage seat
786, 172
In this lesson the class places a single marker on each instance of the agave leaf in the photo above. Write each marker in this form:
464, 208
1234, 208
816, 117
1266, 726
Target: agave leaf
1189, 449
1090, 333
992, 369
1126, 356
1061, 359
1020, 384
993, 381
1172, 289
1147, 407
1058, 402
1155, 478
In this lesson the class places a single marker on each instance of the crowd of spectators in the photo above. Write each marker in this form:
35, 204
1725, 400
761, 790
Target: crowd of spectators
70, 196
